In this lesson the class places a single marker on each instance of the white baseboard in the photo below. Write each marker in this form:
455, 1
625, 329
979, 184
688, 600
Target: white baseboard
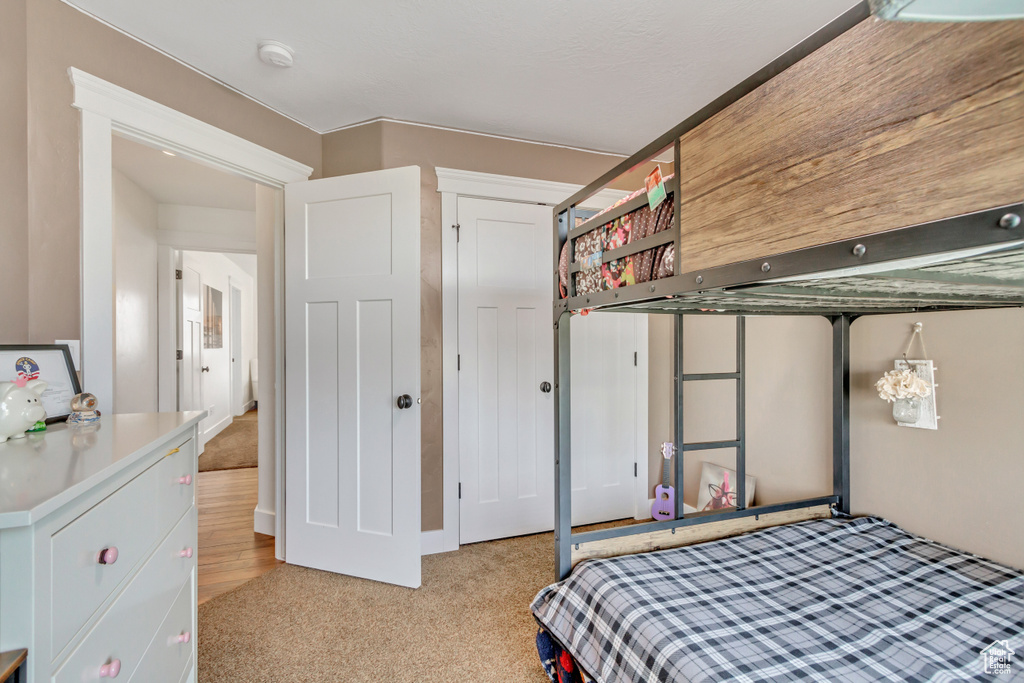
248, 406
216, 429
263, 522
432, 542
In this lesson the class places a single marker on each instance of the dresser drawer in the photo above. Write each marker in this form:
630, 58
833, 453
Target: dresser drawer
126, 629
123, 528
176, 484
170, 652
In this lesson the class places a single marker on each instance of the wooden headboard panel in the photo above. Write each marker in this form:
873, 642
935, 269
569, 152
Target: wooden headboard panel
891, 124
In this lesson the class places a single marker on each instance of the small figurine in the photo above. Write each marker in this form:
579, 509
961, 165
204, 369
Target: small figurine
20, 407
83, 410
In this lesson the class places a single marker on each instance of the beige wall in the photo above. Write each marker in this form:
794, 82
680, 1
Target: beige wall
960, 485
391, 145
58, 37
13, 174
788, 393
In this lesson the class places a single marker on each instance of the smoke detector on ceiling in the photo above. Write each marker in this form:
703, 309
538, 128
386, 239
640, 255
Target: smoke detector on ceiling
276, 54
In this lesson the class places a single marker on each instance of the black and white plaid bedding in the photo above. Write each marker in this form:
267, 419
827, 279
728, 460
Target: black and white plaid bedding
833, 599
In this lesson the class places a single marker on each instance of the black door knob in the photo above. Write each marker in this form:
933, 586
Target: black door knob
206, 368
404, 401
545, 387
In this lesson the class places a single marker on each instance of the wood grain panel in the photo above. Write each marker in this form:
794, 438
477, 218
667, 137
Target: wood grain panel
699, 533
891, 124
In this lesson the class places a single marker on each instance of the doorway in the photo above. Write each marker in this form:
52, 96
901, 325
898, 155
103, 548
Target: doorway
165, 210
109, 111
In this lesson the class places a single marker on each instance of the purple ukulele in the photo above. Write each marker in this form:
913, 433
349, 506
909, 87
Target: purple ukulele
664, 496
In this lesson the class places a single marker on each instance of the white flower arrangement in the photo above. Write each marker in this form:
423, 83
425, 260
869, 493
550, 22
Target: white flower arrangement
897, 384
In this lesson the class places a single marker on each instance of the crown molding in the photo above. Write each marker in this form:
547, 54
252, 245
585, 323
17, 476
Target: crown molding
164, 128
513, 188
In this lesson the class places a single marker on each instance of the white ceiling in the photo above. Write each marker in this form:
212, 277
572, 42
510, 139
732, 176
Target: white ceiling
175, 180
605, 75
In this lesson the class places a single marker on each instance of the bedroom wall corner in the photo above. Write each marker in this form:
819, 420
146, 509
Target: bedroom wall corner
962, 484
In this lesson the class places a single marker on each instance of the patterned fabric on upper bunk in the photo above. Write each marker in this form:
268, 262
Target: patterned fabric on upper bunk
649, 264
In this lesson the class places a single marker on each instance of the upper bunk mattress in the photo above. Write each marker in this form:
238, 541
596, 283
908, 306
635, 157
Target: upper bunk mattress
835, 599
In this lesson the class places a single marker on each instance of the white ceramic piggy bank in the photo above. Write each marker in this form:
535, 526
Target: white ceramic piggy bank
20, 407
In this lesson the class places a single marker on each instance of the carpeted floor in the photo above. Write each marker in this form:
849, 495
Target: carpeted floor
470, 622
234, 448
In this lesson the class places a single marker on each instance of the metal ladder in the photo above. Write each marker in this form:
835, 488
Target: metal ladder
740, 442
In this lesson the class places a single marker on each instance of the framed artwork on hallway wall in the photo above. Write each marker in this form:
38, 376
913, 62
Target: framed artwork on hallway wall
213, 318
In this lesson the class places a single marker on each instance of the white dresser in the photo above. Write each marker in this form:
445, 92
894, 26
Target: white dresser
97, 549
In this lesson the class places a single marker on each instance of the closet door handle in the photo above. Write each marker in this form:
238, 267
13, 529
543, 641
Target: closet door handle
404, 401
545, 387
205, 368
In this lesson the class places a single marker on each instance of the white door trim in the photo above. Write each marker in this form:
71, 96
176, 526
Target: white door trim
108, 109
452, 184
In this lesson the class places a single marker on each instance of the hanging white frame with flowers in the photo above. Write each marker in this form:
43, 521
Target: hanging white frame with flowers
910, 388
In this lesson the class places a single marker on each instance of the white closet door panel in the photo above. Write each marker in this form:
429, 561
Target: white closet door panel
604, 422
505, 343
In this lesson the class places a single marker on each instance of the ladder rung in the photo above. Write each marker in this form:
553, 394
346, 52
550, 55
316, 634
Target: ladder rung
708, 445
711, 375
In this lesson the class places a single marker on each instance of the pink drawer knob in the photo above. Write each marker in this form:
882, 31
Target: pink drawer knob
111, 670
184, 637
186, 480
187, 552
108, 556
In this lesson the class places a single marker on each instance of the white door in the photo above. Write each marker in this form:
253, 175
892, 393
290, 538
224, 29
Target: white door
609, 418
190, 395
352, 357
506, 352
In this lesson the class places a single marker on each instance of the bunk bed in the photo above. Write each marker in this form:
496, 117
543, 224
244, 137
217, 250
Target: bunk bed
877, 167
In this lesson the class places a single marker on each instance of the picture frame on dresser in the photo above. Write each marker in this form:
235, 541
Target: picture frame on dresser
50, 363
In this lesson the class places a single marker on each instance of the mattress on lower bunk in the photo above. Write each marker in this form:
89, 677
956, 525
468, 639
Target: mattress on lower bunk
837, 599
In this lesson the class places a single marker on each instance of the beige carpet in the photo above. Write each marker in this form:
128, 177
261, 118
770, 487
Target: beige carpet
470, 622
234, 448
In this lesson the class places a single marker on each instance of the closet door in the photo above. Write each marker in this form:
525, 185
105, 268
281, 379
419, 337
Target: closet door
506, 354
352, 376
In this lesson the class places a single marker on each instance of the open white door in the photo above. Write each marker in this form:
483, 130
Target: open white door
352, 358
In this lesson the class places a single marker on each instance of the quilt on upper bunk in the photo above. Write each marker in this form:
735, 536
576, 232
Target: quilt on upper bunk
649, 264
835, 599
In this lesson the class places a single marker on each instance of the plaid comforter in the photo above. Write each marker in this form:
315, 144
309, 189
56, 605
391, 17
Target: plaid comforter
835, 599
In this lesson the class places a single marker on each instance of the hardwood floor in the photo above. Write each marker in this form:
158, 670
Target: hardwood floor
230, 552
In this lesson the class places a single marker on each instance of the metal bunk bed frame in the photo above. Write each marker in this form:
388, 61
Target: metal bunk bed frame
981, 231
